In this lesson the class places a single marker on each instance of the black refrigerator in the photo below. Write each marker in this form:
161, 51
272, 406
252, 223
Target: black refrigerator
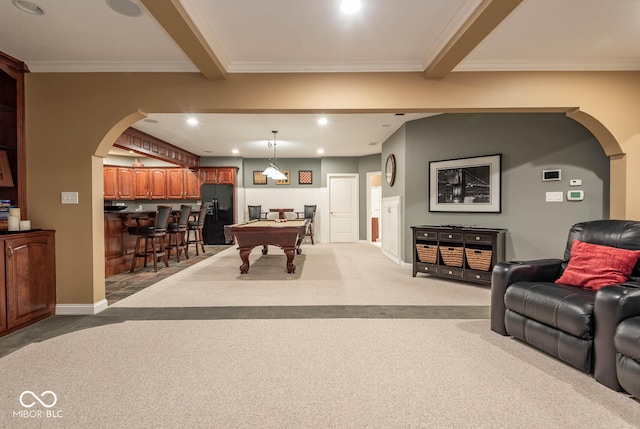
219, 202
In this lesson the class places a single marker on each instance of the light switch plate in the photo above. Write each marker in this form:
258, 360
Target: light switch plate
69, 198
575, 182
554, 197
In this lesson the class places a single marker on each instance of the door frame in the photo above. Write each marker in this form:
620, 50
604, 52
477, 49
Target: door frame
356, 202
370, 174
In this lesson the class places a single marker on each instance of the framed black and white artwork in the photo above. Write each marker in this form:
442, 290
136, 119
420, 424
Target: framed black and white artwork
466, 185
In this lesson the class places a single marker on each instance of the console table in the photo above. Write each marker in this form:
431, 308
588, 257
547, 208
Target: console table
460, 253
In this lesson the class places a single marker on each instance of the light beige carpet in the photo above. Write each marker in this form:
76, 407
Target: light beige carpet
176, 368
332, 274
304, 374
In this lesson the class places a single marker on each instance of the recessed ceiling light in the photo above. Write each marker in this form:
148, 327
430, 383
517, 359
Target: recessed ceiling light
236, 151
350, 6
323, 121
207, 151
320, 151
28, 7
151, 121
373, 143
386, 125
125, 7
192, 121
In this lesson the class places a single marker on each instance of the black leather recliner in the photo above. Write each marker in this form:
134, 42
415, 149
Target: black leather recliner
626, 338
573, 324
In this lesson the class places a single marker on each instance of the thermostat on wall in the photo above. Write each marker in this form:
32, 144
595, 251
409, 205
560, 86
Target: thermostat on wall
549, 175
575, 195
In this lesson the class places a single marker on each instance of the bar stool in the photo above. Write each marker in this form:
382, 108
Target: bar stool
196, 226
154, 235
176, 232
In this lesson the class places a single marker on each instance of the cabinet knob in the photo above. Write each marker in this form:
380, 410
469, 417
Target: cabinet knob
478, 276
450, 272
450, 235
477, 238
10, 251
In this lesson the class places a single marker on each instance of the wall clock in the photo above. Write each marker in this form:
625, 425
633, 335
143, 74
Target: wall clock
390, 169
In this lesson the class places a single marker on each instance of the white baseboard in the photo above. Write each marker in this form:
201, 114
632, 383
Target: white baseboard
81, 309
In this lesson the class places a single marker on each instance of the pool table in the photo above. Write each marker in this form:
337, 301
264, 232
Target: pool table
287, 234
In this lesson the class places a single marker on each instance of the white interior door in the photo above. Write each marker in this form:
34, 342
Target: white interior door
343, 208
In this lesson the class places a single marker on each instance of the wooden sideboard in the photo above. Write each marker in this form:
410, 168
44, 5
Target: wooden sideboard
460, 253
28, 279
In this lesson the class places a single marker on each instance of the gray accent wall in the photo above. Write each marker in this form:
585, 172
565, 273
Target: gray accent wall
529, 143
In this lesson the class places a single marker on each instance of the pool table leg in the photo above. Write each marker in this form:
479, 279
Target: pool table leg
291, 253
244, 255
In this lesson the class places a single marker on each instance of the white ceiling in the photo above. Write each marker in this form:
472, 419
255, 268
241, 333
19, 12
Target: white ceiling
304, 36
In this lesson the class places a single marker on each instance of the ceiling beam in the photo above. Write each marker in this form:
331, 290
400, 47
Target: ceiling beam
172, 16
483, 21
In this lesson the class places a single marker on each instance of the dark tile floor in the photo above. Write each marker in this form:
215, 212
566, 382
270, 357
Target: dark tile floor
125, 284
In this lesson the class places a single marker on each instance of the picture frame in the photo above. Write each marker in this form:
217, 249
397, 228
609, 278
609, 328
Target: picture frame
305, 177
259, 178
466, 185
284, 181
6, 179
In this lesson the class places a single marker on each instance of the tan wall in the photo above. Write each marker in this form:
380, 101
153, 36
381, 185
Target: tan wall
71, 120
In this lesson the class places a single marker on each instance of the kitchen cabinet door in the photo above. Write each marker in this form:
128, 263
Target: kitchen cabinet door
192, 185
125, 183
141, 184
158, 181
110, 183
175, 183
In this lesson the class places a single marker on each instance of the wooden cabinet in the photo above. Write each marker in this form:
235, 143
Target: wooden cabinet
12, 129
192, 185
141, 184
118, 243
219, 175
467, 254
175, 183
125, 183
110, 183
158, 183
118, 183
161, 183
28, 279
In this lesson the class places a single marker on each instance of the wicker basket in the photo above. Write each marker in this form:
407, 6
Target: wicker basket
427, 253
478, 259
451, 256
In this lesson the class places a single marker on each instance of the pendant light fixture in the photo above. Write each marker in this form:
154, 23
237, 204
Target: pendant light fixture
273, 171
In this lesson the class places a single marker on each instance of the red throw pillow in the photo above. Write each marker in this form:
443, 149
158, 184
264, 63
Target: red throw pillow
592, 266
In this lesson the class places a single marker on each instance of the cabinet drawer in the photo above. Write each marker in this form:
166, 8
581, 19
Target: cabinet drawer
450, 236
478, 276
470, 237
450, 272
427, 268
426, 235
